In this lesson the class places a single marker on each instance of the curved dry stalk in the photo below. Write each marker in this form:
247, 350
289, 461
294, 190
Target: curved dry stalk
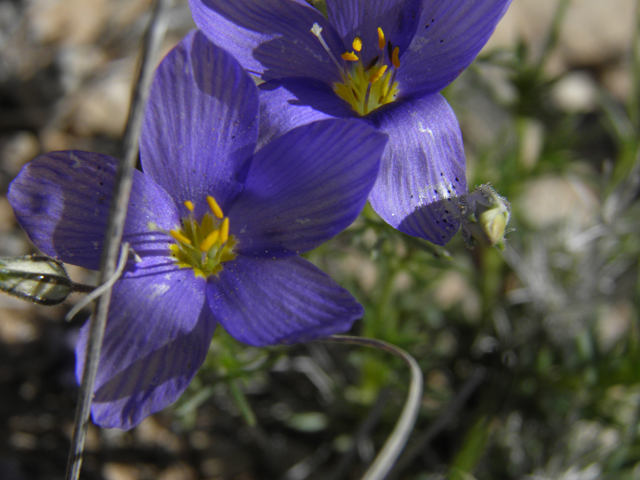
392, 448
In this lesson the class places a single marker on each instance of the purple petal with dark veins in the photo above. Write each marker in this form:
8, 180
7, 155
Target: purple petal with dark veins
157, 336
422, 171
449, 36
266, 302
200, 126
271, 38
306, 187
398, 20
62, 200
292, 102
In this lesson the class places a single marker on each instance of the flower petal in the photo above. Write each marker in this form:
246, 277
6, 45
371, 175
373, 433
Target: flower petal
266, 302
398, 20
200, 126
291, 102
271, 38
62, 200
157, 336
306, 187
422, 170
449, 37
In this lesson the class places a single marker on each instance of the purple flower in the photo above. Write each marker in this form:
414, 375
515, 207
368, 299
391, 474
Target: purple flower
383, 60
217, 226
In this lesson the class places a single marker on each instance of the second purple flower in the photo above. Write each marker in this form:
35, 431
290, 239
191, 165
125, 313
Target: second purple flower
383, 61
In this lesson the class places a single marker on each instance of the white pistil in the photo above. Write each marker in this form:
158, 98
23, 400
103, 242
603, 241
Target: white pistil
317, 31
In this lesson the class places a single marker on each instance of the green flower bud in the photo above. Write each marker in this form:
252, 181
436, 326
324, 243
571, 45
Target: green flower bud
34, 278
485, 216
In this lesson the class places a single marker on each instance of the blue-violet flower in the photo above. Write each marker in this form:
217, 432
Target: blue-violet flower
381, 60
218, 228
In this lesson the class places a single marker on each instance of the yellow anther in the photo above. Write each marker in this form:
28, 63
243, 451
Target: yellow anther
357, 44
208, 242
189, 205
395, 57
349, 57
378, 74
224, 231
215, 208
381, 40
179, 237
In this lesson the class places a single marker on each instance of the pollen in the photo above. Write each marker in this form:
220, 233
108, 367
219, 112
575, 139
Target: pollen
381, 40
215, 208
350, 57
395, 57
204, 245
224, 231
209, 241
365, 87
179, 237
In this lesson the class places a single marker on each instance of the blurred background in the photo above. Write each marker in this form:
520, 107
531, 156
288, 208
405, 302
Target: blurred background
531, 356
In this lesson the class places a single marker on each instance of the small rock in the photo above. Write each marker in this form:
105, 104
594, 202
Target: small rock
576, 92
16, 150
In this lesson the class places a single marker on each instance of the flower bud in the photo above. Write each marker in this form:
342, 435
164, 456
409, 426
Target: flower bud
485, 216
38, 279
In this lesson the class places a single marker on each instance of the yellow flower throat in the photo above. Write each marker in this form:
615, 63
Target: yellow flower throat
368, 87
202, 246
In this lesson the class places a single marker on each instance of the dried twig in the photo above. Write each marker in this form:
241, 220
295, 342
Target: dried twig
400, 434
122, 190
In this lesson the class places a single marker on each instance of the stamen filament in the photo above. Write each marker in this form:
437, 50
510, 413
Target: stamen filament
366, 100
317, 31
215, 208
378, 74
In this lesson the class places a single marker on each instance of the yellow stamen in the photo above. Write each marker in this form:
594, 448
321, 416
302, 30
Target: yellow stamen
381, 40
224, 231
349, 57
189, 205
365, 87
215, 208
395, 57
208, 242
378, 74
179, 237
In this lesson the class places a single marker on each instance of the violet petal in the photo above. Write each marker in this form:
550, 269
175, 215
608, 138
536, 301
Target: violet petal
266, 302
422, 171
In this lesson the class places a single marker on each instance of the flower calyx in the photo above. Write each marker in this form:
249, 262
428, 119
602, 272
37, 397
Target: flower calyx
484, 217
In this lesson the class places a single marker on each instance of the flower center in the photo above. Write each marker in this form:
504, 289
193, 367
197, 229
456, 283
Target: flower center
368, 87
205, 245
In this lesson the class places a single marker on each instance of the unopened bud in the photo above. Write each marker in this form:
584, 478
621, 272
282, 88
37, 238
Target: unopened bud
35, 278
485, 216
